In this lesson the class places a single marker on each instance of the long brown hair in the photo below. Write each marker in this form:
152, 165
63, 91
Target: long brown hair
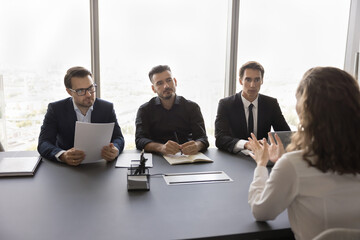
329, 112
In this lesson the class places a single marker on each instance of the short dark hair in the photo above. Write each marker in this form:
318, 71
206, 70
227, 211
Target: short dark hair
329, 114
158, 69
75, 72
252, 65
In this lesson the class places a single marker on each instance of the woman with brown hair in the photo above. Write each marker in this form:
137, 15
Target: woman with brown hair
318, 180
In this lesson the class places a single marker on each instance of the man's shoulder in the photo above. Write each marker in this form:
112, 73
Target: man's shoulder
231, 99
149, 103
266, 98
184, 101
102, 106
102, 102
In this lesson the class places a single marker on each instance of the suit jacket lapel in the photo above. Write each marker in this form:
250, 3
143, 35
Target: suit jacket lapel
94, 113
71, 115
240, 115
261, 115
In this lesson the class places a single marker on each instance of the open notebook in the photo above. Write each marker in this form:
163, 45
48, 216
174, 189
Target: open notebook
181, 159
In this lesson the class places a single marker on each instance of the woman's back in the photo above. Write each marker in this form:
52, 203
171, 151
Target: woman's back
323, 200
319, 179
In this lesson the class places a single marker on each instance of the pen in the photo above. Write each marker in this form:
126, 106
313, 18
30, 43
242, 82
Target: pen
177, 140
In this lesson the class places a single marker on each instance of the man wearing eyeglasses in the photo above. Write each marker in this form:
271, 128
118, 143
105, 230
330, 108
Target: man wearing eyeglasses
247, 112
56, 140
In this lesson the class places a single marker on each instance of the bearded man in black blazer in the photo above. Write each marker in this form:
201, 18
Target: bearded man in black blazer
56, 140
232, 125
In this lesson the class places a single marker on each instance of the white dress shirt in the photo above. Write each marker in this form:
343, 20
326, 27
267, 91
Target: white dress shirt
240, 145
315, 200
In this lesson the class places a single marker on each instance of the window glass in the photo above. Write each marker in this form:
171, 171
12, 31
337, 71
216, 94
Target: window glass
187, 35
288, 38
40, 40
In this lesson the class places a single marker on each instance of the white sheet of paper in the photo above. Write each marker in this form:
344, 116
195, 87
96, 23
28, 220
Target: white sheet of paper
126, 159
91, 138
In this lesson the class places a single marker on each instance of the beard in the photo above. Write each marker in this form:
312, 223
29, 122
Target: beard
169, 96
86, 103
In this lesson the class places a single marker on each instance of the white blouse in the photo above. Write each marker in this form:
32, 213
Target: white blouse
315, 200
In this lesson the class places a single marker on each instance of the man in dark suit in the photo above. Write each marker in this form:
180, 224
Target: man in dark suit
56, 140
246, 112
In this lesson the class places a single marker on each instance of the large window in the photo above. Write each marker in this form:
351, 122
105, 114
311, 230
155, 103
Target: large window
40, 40
288, 38
187, 35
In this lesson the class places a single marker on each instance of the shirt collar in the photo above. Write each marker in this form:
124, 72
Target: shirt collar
247, 103
158, 101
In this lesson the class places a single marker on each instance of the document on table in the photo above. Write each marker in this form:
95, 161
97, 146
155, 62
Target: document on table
196, 177
91, 138
127, 160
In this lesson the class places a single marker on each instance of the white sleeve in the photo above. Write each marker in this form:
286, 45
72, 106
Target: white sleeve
240, 145
269, 196
57, 156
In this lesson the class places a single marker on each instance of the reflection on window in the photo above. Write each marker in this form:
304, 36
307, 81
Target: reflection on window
288, 38
39, 41
187, 35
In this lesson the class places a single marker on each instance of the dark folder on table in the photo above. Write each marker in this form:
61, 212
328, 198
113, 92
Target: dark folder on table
18, 166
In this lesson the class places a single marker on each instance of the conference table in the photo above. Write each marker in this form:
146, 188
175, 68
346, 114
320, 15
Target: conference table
91, 201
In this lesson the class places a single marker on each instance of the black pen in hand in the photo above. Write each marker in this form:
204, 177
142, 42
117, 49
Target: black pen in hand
177, 140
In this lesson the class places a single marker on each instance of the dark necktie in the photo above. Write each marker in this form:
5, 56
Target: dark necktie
251, 120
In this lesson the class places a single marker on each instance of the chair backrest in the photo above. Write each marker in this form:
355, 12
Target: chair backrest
339, 233
1, 148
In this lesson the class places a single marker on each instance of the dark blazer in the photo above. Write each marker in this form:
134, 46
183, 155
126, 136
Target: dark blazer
58, 129
230, 123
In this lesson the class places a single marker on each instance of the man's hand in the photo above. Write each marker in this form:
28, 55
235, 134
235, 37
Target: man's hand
191, 147
247, 146
170, 147
109, 152
72, 157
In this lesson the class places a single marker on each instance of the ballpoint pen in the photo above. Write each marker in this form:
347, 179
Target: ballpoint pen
177, 140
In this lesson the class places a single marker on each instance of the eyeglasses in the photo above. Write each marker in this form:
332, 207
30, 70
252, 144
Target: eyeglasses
82, 91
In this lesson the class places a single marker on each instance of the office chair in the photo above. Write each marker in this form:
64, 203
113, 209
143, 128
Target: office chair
339, 233
1, 148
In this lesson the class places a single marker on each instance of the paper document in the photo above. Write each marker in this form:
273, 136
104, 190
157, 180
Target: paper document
196, 177
125, 160
91, 138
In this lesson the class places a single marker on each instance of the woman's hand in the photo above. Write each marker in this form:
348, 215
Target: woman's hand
259, 149
275, 150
